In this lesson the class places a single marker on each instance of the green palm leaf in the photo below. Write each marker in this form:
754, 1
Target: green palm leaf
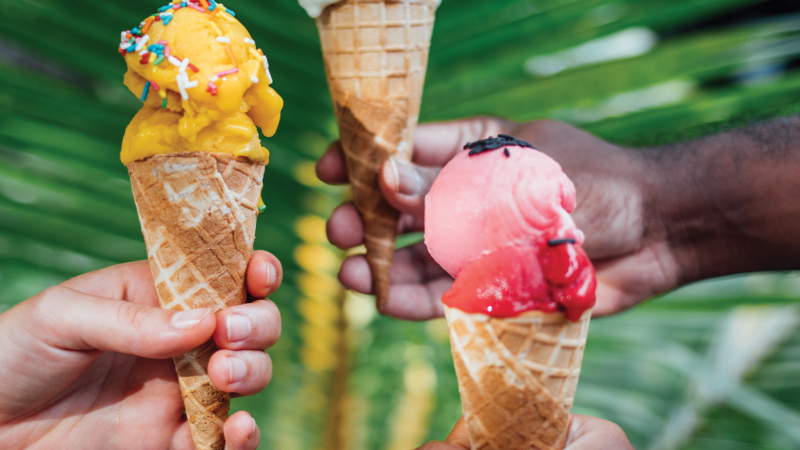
701, 368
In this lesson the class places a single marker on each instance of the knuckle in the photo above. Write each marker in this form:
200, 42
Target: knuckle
43, 304
618, 432
46, 303
132, 314
275, 320
50, 295
39, 302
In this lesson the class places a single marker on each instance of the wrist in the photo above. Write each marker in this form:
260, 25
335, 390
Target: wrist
680, 216
725, 204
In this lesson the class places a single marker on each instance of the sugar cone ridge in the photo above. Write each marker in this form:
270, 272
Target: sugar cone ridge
517, 376
198, 214
376, 54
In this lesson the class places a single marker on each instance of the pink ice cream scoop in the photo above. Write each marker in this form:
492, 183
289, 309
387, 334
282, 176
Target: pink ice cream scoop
499, 214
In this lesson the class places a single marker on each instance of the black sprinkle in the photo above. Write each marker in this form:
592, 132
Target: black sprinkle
508, 153
502, 140
554, 242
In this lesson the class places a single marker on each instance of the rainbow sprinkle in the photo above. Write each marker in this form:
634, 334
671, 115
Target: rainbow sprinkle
216, 29
146, 90
137, 40
231, 55
228, 72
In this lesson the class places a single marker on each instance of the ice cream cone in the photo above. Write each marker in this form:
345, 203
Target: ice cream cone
517, 376
376, 54
198, 214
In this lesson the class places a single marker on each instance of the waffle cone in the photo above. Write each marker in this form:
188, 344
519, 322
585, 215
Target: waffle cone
376, 53
198, 214
517, 376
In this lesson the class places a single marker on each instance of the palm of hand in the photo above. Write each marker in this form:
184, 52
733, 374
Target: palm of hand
123, 399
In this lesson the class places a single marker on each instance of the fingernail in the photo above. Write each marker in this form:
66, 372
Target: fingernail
237, 369
187, 319
239, 327
255, 427
272, 274
408, 180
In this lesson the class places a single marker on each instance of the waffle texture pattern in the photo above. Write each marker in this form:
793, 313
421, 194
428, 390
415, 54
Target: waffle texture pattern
517, 376
198, 214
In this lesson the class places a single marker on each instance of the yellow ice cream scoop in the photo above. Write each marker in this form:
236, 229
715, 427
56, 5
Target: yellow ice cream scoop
204, 83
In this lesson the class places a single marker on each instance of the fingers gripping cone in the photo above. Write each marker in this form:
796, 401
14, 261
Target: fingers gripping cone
517, 376
198, 214
376, 53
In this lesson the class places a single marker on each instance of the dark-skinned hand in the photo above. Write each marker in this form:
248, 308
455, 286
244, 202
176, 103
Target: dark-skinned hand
612, 193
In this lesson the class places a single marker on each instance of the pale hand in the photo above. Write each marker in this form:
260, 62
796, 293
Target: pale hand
88, 364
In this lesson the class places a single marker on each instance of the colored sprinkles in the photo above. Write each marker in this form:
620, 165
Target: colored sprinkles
228, 72
137, 40
502, 140
146, 90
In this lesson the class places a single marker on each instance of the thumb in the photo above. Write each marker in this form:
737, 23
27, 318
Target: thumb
69, 319
405, 185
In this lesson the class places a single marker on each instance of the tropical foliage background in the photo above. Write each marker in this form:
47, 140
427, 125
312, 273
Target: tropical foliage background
711, 366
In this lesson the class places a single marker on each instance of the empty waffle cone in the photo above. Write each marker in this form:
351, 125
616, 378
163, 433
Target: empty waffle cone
376, 53
198, 214
517, 376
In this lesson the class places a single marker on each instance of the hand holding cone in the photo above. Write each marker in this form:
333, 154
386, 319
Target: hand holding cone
376, 54
198, 214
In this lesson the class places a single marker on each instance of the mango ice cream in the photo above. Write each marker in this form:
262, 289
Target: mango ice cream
204, 83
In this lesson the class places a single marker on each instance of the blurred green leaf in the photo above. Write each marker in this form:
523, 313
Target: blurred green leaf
637, 73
